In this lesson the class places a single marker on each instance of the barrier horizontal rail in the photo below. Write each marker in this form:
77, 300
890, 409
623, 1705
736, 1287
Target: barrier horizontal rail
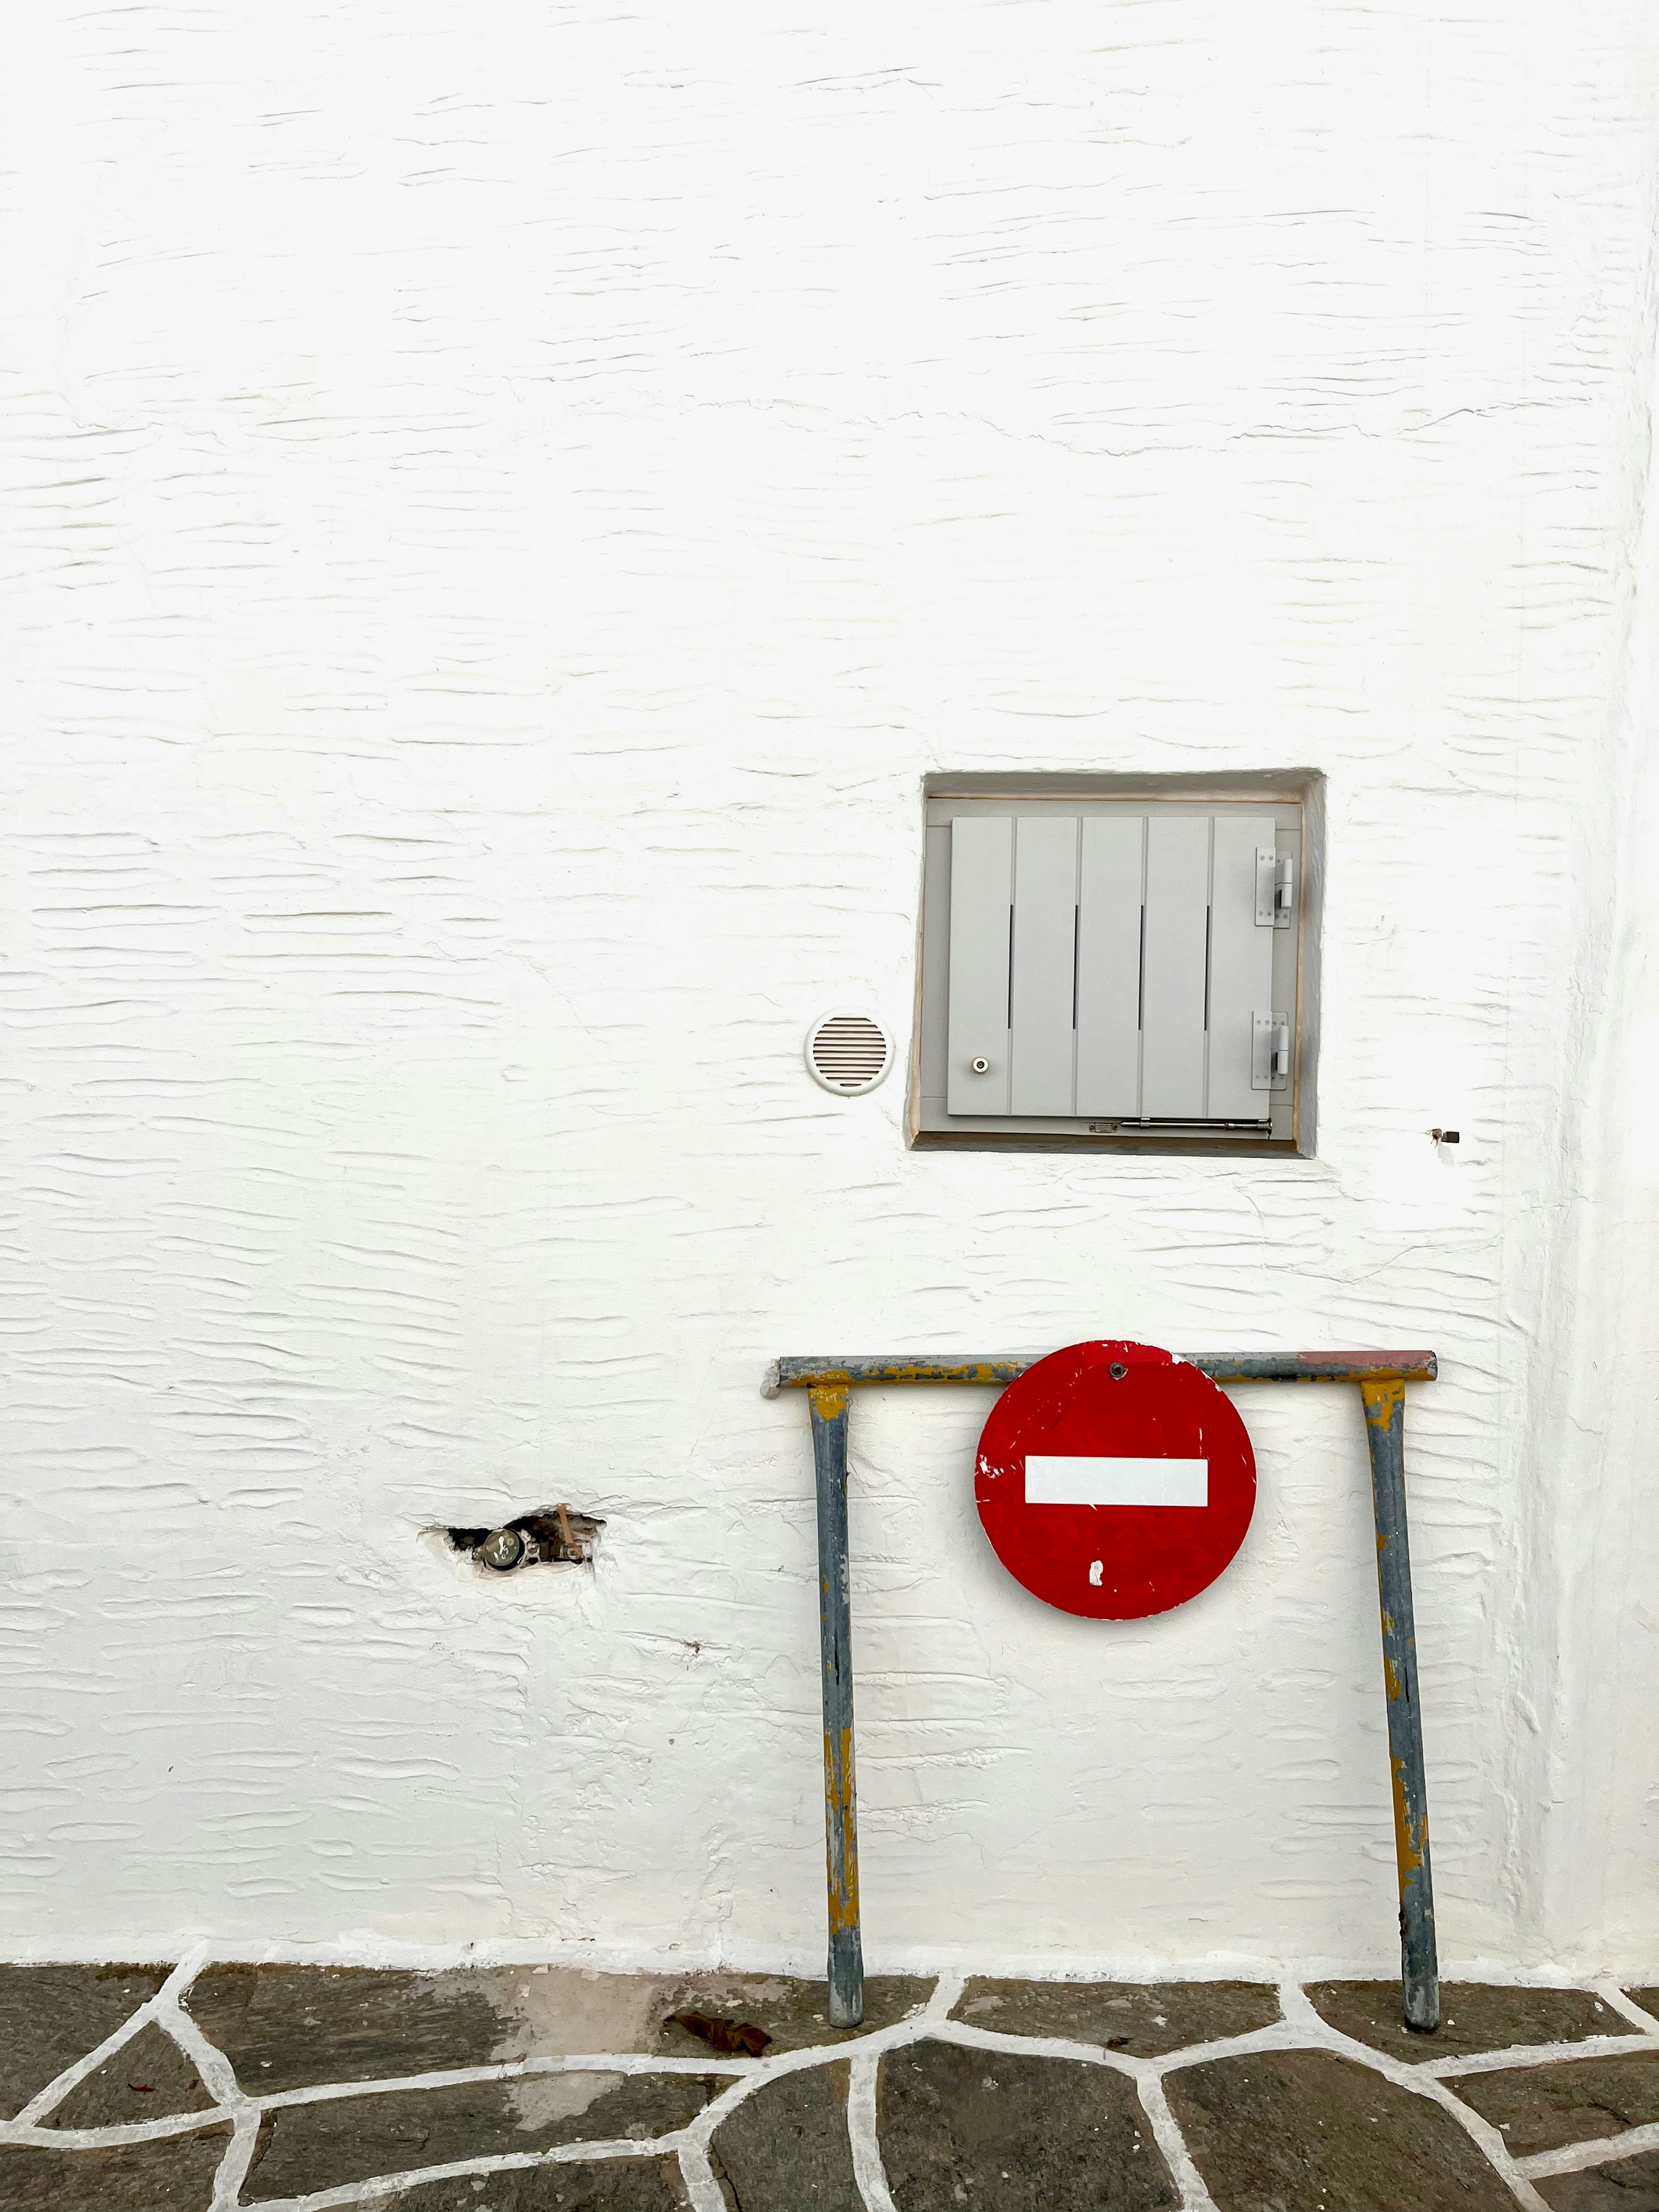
997, 1369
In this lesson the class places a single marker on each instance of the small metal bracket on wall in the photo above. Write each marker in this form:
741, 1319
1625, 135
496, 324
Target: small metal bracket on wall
1381, 1378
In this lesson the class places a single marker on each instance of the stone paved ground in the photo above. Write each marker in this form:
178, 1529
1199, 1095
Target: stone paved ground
138, 2088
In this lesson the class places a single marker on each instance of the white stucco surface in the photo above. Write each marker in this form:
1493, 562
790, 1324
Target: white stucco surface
503, 507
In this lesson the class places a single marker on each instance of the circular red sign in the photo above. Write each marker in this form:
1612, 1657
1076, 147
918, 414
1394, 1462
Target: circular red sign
1114, 1480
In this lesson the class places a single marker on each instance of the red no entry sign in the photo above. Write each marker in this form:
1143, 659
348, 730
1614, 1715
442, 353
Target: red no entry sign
1114, 1480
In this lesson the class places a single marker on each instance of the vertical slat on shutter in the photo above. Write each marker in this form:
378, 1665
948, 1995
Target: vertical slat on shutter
1172, 1019
1045, 945
981, 899
1241, 966
935, 932
1108, 965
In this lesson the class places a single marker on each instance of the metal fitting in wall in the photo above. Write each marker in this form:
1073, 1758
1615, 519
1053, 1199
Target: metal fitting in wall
555, 1536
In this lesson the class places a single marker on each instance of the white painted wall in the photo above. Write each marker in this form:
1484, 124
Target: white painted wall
505, 504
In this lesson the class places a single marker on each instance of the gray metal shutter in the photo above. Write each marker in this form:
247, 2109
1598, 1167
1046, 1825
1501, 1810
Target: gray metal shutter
1108, 965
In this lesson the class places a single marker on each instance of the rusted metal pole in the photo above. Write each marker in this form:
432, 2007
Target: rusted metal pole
840, 1834
1420, 1968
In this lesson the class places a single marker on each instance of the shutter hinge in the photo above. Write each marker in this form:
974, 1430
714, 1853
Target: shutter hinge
1270, 1052
1275, 888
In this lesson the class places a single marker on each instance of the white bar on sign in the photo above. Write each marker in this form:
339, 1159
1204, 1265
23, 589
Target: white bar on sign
1117, 1481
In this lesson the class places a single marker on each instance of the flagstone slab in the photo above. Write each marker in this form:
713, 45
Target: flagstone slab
792, 2013
1629, 2185
1145, 2019
289, 2027
610, 2184
1307, 2131
1575, 2101
148, 2078
962, 2128
1474, 2016
173, 2175
786, 2148
50, 2016
336, 2140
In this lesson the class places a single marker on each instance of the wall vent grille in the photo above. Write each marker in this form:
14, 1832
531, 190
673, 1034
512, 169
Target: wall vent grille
849, 1052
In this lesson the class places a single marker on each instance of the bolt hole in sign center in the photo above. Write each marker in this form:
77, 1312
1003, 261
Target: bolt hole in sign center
1114, 1480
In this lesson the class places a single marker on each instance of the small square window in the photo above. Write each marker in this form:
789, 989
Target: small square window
1118, 964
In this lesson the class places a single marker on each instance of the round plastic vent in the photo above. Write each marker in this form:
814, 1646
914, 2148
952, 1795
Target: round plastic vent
849, 1052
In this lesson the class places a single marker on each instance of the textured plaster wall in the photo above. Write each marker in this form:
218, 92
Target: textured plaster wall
503, 506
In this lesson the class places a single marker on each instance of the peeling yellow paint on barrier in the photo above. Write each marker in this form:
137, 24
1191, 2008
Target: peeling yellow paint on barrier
1382, 1395
1410, 1846
829, 1400
980, 1373
840, 1795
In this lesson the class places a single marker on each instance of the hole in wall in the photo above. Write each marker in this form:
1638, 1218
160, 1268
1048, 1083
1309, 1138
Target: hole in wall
554, 1535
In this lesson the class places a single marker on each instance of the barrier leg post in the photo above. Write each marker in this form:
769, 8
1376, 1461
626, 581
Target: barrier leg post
829, 1404
1385, 1432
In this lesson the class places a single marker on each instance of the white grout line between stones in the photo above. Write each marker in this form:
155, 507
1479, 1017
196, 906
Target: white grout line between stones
120, 2133
947, 1996
1166, 2133
508, 2070
698, 2175
233, 2168
868, 2170
1610, 1993
1278, 2035
391, 2184
219, 2076
1015, 2046
1299, 2014
59, 2086
1603, 2150
1530, 2054
211, 2063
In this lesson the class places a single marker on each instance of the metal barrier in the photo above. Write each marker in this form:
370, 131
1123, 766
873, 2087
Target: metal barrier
1381, 1377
